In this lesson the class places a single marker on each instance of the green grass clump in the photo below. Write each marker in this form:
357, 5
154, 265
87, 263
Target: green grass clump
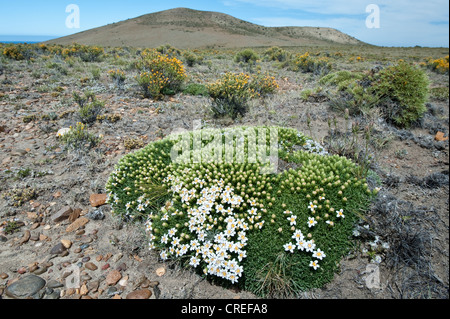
232, 218
79, 138
89, 107
246, 56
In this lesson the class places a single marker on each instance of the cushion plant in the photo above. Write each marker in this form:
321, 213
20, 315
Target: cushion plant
272, 223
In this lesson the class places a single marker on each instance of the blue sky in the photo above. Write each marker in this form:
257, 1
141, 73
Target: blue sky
402, 22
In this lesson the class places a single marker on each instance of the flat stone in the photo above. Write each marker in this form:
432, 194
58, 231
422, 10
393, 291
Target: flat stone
58, 249
139, 294
25, 287
91, 266
62, 214
77, 224
113, 277
54, 284
97, 200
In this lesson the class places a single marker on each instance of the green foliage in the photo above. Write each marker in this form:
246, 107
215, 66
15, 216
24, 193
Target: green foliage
306, 63
277, 54
196, 89
440, 93
246, 56
191, 58
233, 223
79, 138
89, 107
232, 92
408, 87
160, 75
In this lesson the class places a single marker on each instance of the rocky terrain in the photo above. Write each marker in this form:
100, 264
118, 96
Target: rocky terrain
56, 228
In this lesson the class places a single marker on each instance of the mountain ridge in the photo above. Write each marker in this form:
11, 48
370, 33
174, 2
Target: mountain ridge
187, 28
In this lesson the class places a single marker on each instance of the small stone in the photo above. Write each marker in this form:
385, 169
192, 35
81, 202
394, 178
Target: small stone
113, 277
83, 290
42, 237
26, 237
91, 266
21, 270
58, 249
86, 259
40, 270
62, 214
77, 224
66, 243
4, 275
97, 200
96, 215
74, 215
106, 266
160, 271
25, 287
123, 282
116, 297
139, 294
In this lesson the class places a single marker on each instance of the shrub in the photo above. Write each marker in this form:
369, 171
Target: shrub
191, 58
196, 89
277, 54
439, 93
118, 76
246, 56
79, 138
160, 75
168, 50
89, 107
439, 65
306, 63
271, 234
230, 94
408, 87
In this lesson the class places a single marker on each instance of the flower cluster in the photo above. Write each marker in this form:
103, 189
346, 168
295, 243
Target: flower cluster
160, 74
214, 235
439, 65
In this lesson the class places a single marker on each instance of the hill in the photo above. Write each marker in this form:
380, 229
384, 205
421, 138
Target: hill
187, 29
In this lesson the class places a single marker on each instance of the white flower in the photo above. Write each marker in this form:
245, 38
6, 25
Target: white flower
311, 222
377, 259
314, 264
309, 246
356, 233
386, 245
340, 213
319, 254
289, 247
311, 206
292, 219
194, 261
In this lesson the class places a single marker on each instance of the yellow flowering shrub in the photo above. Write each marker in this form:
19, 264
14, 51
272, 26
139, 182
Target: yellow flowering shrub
307, 63
160, 75
439, 65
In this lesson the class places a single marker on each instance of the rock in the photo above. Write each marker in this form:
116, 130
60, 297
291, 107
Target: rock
74, 215
106, 266
139, 294
26, 237
62, 214
84, 290
123, 282
25, 287
97, 200
58, 249
113, 277
77, 224
4, 275
91, 266
62, 131
54, 284
66, 243
96, 215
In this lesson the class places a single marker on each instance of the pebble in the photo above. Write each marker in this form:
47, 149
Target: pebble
79, 222
96, 215
86, 259
62, 214
113, 277
97, 200
25, 287
66, 243
139, 294
58, 249
54, 284
106, 266
4, 275
91, 266
123, 282
26, 237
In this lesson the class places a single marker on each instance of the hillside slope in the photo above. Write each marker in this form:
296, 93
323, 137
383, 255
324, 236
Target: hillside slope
187, 28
